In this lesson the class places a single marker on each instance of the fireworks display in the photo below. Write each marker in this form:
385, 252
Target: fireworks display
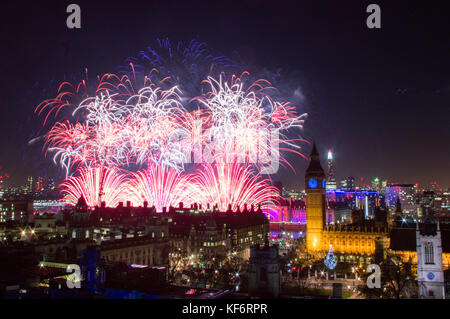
232, 184
246, 121
127, 141
186, 63
160, 187
95, 185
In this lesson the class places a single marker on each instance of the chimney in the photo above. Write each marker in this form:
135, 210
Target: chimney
128, 204
145, 204
103, 204
164, 210
120, 204
181, 205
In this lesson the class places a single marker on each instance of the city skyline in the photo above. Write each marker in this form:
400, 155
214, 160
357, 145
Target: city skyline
399, 121
295, 185
257, 151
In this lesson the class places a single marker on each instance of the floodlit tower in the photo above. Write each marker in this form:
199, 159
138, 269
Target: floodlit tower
430, 273
331, 180
315, 202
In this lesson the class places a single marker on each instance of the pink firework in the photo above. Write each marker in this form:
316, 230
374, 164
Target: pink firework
95, 185
121, 124
159, 187
244, 120
232, 184
117, 126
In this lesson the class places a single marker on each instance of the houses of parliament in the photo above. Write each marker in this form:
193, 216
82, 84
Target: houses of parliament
361, 238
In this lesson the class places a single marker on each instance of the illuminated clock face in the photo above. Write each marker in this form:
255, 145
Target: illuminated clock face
312, 183
430, 276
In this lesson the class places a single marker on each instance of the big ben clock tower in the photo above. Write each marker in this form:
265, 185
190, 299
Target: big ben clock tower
315, 202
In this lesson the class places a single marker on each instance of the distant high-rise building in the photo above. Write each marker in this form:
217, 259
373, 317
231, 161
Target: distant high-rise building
16, 210
39, 183
365, 200
383, 186
30, 183
376, 184
434, 186
404, 192
348, 184
445, 204
331, 180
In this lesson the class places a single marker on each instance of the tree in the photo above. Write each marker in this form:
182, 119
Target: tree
330, 261
397, 280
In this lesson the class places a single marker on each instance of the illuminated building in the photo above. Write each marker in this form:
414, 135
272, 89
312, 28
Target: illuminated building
45, 223
438, 202
446, 201
425, 203
348, 184
404, 241
430, 272
406, 194
48, 206
355, 238
139, 240
150, 251
434, 186
293, 212
376, 185
315, 202
39, 184
20, 211
30, 183
295, 195
331, 180
288, 211
359, 238
361, 199
204, 234
383, 187
342, 213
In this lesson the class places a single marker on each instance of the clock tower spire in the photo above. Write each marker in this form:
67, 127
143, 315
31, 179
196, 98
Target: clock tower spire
315, 202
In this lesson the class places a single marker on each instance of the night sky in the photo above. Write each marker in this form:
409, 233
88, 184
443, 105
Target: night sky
379, 98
